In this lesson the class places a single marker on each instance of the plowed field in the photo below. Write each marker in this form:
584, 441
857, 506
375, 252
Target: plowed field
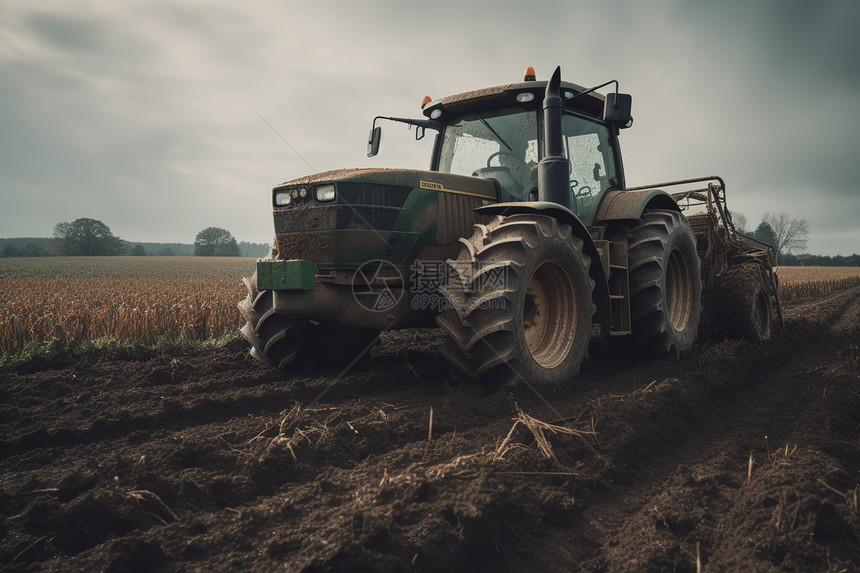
743, 457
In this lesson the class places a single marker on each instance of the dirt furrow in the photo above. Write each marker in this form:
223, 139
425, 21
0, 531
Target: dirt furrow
162, 397
210, 462
778, 419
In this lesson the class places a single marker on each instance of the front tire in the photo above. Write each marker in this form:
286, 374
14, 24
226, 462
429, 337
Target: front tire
518, 304
665, 284
297, 344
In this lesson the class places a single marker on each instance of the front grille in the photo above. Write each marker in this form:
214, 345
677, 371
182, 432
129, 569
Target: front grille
366, 218
370, 206
375, 194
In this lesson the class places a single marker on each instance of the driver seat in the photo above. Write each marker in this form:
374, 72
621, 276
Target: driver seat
509, 188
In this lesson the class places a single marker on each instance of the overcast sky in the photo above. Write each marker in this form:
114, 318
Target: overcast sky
151, 115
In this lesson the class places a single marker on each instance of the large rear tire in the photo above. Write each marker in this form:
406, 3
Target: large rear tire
518, 304
665, 284
745, 303
297, 344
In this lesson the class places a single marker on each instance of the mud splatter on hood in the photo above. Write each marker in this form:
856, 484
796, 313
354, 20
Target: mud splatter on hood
382, 175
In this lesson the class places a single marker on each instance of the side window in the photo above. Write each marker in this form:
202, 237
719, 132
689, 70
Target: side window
592, 164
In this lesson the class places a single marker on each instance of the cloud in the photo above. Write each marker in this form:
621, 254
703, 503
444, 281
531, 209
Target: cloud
145, 114
66, 32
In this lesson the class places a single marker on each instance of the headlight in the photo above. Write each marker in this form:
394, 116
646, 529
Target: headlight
282, 198
524, 97
303, 192
324, 193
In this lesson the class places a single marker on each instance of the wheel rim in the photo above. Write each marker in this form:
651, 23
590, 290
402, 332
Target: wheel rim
762, 315
549, 314
679, 290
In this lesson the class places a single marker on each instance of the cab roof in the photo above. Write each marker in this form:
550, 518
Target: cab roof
502, 96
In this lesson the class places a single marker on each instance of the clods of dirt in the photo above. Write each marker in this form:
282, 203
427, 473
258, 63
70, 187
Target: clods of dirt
742, 457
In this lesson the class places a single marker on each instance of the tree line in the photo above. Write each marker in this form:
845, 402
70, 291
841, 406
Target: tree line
804, 260
789, 238
91, 237
784, 234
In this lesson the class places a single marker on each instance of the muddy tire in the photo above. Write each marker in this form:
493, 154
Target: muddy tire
518, 304
297, 344
276, 340
745, 303
665, 285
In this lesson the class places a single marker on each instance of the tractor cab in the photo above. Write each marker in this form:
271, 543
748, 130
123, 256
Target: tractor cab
506, 146
498, 134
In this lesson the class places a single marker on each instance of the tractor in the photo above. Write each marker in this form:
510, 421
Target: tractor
522, 242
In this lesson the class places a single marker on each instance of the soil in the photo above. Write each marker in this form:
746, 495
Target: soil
743, 457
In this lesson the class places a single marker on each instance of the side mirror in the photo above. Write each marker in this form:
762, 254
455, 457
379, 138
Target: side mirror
373, 141
616, 109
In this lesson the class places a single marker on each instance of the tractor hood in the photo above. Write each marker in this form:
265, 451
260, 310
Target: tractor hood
412, 178
340, 219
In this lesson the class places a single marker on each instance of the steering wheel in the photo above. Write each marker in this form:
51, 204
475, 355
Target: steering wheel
507, 154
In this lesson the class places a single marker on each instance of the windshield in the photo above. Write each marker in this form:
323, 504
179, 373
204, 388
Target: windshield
502, 145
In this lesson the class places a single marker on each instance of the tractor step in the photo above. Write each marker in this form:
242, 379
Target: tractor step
613, 256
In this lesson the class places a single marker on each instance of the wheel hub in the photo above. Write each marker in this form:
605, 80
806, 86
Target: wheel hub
762, 315
679, 290
549, 314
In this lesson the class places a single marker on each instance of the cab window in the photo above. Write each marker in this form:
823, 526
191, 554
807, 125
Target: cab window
592, 164
500, 145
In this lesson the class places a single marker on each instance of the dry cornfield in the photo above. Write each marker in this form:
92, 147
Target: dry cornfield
803, 283
138, 310
142, 300
145, 300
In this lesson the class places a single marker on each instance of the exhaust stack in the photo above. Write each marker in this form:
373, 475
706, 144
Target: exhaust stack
554, 168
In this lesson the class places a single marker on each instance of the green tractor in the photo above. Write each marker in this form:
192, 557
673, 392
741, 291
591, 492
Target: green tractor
522, 242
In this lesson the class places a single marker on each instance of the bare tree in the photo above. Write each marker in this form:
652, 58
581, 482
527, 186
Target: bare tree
791, 234
740, 221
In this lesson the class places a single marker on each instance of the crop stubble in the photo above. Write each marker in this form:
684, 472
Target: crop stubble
207, 461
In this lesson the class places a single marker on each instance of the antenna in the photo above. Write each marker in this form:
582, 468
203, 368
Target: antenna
285, 141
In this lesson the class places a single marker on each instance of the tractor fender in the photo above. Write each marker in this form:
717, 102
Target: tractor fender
565, 215
629, 205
